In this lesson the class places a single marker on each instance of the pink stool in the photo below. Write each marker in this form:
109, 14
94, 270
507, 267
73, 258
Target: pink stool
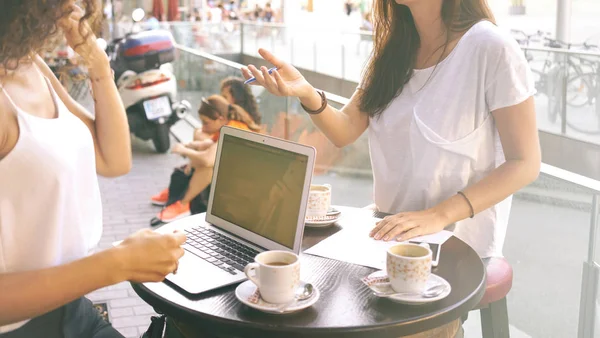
494, 312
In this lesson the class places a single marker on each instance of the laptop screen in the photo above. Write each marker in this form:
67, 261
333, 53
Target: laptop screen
259, 188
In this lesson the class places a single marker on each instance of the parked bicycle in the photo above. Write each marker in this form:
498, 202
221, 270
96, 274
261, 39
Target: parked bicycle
566, 76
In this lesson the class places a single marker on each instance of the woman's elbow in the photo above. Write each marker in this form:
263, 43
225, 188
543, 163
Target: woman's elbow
341, 142
115, 170
123, 169
532, 171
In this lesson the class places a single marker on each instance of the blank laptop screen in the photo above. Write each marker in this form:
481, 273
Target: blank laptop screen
259, 188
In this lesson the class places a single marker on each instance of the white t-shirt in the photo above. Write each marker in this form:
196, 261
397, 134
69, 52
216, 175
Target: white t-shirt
438, 136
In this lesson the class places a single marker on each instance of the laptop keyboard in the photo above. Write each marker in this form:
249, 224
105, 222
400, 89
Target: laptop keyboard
380, 214
221, 251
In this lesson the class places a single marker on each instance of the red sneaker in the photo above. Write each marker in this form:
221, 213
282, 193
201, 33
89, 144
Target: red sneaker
174, 211
161, 198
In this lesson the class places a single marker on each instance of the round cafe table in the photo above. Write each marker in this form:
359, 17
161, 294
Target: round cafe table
346, 308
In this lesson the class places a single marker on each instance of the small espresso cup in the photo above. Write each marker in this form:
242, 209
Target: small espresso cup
408, 266
276, 274
319, 200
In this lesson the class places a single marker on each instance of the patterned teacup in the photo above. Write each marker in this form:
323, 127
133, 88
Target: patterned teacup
319, 200
408, 266
276, 274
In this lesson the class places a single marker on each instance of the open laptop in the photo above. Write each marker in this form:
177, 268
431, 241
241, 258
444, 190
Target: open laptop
257, 202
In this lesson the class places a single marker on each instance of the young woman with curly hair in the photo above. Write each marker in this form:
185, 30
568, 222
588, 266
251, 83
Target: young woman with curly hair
51, 151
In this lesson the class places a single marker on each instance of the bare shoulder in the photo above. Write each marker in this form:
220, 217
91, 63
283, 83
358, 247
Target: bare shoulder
8, 128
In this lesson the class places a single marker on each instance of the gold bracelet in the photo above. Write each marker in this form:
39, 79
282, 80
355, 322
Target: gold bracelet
468, 202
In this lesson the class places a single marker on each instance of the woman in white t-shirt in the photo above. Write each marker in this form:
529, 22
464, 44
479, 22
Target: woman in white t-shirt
447, 100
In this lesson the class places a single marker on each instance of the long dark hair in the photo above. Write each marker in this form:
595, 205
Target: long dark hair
396, 42
243, 96
216, 106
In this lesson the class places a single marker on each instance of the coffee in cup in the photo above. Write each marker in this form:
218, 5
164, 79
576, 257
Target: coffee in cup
408, 266
319, 200
276, 274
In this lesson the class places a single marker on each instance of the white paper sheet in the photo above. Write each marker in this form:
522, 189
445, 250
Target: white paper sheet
353, 244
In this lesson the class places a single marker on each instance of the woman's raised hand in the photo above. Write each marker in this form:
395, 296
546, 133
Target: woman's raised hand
284, 81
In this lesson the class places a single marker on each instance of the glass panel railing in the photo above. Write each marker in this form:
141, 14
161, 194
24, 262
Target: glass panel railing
199, 75
348, 169
334, 53
567, 81
271, 36
547, 245
568, 90
215, 38
553, 237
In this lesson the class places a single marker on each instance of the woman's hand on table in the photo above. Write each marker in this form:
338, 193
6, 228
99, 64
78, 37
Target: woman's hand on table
147, 256
407, 225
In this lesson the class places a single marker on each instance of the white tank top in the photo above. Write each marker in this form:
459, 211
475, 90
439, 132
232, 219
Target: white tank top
50, 206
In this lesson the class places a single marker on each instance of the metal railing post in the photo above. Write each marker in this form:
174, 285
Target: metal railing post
343, 61
242, 38
286, 125
315, 56
292, 51
563, 101
272, 40
590, 278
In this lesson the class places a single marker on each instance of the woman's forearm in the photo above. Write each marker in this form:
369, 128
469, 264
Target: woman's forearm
341, 127
112, 128
29, 294
502, 182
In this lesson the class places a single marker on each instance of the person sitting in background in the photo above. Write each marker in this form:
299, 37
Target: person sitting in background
257, 12
234, 90
268, 13
187, 192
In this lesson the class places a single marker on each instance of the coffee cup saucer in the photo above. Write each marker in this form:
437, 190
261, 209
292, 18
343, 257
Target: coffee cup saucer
323, 221
248, 293
379, 283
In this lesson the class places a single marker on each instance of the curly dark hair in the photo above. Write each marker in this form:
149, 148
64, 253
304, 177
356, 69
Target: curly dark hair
26, 26
243, 96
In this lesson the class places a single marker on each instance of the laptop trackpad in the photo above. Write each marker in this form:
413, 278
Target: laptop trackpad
196, 275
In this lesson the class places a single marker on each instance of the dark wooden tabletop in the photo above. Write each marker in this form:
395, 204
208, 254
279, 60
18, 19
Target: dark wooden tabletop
346, 307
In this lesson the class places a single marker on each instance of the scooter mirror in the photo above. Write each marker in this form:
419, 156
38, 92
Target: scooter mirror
138, 15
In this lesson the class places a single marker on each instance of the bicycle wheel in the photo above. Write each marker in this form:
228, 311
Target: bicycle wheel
583, 114
580, 88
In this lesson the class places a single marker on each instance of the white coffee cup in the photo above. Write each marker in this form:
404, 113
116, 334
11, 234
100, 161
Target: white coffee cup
408, 266
319, 200
276, 274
